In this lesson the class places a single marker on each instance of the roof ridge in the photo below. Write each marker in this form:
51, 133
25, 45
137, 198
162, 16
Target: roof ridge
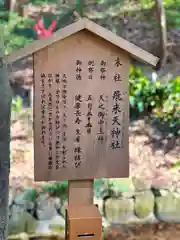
84, 23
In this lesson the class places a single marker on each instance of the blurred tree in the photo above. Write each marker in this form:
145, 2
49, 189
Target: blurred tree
7, 4
161, 22
5, 114
16, 6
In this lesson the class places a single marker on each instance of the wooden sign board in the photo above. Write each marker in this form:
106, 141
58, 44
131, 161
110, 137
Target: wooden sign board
81, 109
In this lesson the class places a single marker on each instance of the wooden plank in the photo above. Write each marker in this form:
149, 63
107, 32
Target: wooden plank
95, 143
81, 192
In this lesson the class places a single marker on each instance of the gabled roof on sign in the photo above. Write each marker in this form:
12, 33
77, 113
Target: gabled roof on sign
135, 51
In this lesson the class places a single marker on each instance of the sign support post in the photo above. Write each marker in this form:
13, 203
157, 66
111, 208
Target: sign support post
83, 219
81, 192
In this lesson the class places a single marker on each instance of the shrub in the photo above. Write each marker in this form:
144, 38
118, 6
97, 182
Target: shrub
154, 98
17, 31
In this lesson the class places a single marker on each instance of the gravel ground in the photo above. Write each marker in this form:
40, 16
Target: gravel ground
161, 231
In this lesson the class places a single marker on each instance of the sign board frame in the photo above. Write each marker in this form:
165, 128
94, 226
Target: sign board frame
89, 109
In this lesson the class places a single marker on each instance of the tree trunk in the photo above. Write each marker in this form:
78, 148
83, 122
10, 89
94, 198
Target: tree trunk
5, 114
16, 6
161, 21
7, 4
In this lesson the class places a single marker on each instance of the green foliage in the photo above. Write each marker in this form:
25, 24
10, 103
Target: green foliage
102, 188
177, 164
144, 95
160, 100
16, 104
17, 31
16, 107
173, 15
170, 111
58, 189
42, 2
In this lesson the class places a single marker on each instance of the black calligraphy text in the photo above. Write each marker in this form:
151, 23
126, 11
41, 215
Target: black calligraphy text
43, 108
64, 150
77, 150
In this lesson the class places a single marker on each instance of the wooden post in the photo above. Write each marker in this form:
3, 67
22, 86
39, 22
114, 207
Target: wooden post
81, 192
83, 219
